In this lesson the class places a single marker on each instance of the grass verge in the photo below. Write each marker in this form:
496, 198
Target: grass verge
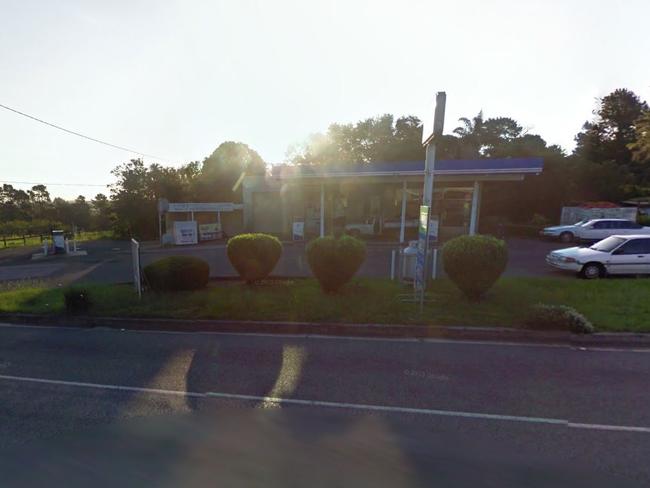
612, 305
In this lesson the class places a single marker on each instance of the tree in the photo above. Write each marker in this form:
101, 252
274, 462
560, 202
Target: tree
134, 205
222, 172
102, 212
609, 136
81, 212
377, 139
640, 147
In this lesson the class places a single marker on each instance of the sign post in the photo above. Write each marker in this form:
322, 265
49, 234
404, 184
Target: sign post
429, 136
135, 259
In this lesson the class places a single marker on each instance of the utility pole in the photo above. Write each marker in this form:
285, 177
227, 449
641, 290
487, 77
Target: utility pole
429, 137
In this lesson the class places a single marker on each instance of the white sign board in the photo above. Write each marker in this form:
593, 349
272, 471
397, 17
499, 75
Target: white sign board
208, 232
421, 256
204, 207
298, 230
185, 232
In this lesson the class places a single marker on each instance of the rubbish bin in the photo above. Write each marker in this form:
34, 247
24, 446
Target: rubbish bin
409, 257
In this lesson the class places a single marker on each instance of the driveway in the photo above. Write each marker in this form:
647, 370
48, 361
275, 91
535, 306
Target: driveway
110, 261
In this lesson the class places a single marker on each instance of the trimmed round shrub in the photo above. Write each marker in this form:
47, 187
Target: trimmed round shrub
177, 273
254, 255
334, 261
557, 317
77, 300
474, 263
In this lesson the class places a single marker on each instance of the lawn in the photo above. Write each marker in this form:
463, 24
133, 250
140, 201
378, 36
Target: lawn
612, 305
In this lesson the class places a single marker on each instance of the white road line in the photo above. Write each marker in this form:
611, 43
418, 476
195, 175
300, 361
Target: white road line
339, 405
102, 386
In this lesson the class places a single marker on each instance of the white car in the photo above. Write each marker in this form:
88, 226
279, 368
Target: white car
611, 256
368, 228
565, 233
598, 229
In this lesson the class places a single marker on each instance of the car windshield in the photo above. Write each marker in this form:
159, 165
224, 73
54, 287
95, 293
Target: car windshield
581, 222
608, 245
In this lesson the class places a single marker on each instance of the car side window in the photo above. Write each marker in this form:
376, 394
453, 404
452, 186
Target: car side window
600, 225
636, 246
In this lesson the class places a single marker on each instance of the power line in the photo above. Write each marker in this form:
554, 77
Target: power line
121, 148
51, 184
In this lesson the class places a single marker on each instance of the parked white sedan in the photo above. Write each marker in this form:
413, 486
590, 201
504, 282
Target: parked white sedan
614, 255
565, 233
598, 229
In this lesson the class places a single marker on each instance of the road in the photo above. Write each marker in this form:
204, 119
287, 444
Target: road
120, 408
110, 261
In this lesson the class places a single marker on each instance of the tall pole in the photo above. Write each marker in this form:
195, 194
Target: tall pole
429, 139
322, 209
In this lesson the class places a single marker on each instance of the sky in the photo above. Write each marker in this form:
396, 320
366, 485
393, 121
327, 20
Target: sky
175, 78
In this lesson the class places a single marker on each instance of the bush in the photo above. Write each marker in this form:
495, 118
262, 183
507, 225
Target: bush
77, 300
176, 273
558, 317
474, 263
254, 255
334, 261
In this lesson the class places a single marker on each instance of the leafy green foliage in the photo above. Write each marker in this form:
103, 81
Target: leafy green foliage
377, 139
557, 317
641, 146
254, 255
474, 263
334, 261
77, 299
176, 273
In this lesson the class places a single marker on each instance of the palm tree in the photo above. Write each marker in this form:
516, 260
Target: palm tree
472, 133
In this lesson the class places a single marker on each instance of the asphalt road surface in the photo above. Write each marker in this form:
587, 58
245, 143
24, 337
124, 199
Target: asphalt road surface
110, 261
100, 407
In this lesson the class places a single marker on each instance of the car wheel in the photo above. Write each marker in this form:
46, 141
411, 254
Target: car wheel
592, 271
566, 237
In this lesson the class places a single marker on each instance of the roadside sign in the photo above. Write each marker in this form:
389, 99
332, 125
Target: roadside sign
298, 229
185, 232
208, 232
421, 257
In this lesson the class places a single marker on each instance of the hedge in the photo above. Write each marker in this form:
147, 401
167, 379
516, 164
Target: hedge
254, 255
474, 263
334, 261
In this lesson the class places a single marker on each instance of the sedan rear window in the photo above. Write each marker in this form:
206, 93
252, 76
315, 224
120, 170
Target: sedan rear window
608, 245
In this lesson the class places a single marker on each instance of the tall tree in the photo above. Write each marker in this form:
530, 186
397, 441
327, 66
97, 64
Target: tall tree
102, 212
222, 171
377, 139
608, 137
641, 146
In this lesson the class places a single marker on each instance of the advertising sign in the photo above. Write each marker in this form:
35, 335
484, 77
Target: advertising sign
433, 228
185, 232
298, 230
420, 261
210, 232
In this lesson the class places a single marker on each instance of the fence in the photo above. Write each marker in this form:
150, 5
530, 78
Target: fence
25, 240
